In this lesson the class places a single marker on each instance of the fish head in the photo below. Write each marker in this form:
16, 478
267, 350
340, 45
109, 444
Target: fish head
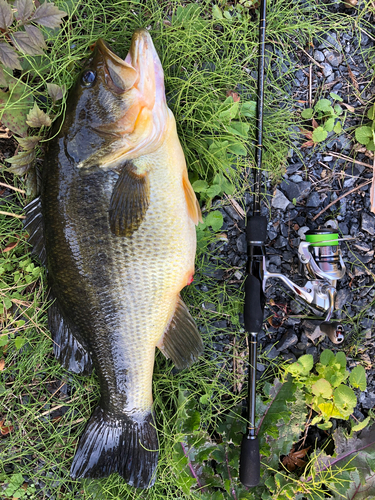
117, 110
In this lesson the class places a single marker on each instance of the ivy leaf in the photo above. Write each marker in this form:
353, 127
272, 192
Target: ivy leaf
239, 128
329, 410
337, 128
200, 186
358, 378
19, 342
55, 91
336, 97
38, 118
329, 124
237, 148
9, 57
215, 220
48, 15
28, 143
26, 44
36, 36
363, 134
345, 399
6, 15
323, 105
213, 191
326, 357
361, 425
319, 134
341, 359
307, 113
248, 109
216, 12
24, 9
371, 113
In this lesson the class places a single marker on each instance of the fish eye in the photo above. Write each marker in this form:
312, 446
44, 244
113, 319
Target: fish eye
88, 78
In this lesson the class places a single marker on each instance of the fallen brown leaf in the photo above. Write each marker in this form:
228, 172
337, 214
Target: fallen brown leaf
353, 78
307, 144
2, 364
5, 429
295, 459
232, 93
348, 106
10, 246
314, 124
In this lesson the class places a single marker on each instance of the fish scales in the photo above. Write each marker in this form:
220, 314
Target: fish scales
120, 242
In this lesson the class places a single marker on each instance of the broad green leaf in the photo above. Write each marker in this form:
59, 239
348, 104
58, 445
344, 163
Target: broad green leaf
237, 148
215, 220
360, 425
370, 145
341, 359
358, 378
38, 118
329, 410
7, 303
19, 342
230, 109
3, 338
329, 124
363, 134
239, 128
345, 399
338, 109
6, 15
248, 109
323, 105
55, 91
371, 113
337, 128
23, 158
326, 357
47, 14
24, 9
216, 12
213, 191
336, 97
307, 362
319, 134
307, 113
25, 44
322, 388
325, 426
9, 57
200, 186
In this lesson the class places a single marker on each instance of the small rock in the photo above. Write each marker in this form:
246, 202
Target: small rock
298, 191
327, 69
242, 243
318, 56
368, 223
334, 58
343, 296
314, 352
296, 178
232, 213
313, 200
287, 341
329, 42
311, 329
367, 400
260, 367
270, 351
281, 242
289, 356
279, 200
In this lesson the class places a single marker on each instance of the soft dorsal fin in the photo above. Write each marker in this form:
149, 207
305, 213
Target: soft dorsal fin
181, 340
194, 209
129, 202
34, 226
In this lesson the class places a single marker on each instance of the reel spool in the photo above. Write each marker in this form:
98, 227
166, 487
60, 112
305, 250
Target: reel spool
322, 264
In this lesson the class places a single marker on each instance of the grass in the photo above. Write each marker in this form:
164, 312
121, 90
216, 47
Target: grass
203, 59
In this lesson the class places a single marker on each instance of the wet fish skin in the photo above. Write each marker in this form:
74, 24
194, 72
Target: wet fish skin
119, 219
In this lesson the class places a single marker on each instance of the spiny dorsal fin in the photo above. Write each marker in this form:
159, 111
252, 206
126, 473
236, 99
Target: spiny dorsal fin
194, 209
181, 341
129, 202
34, 226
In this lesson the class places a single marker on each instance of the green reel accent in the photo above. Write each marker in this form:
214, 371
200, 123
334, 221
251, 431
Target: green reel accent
322, 239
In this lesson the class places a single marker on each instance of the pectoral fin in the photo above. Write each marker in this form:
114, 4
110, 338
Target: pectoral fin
129, 202
194, 209
181, 341
34, 226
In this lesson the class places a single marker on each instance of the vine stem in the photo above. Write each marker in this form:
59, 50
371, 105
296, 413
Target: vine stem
191, 467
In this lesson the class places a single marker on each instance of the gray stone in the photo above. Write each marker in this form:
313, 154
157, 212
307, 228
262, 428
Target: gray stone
288, 340
270, 351
260, 367
313, 200
301, 232
281, 242
279, 200
312, 329
298, 191
275, 259
334, 58
314, 352
296, 178
242, 243
343, 296
318, 56
367, 400
368, 223
330, 41
232, 213
289, 356
327, 69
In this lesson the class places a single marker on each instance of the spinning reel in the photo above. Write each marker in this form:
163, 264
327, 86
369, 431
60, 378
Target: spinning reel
322, 264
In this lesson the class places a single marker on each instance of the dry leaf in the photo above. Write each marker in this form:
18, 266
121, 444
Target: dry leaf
36, 36
55, 91
5, 430
314, 124
10, 246
48, 15
236, 97
349, 4
26, 44
9, 57
38, 118
295, 459
28, 143
308, 144
24, 9
6, 15
2, 364
353, 78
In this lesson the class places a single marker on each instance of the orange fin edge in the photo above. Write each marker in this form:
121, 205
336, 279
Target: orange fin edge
193, 207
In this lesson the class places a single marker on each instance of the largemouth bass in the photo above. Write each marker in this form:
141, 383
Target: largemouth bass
115, 224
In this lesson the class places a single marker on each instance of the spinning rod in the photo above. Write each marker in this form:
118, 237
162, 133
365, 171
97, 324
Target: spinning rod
321, 263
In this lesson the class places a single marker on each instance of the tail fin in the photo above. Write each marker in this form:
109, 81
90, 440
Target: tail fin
118, 444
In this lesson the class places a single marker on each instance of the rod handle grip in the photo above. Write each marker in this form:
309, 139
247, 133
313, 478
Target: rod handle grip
254, 304
250, 462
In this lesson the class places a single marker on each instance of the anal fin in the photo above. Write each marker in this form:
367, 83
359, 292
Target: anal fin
68, 350
34, 226
129, 201
181, 341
